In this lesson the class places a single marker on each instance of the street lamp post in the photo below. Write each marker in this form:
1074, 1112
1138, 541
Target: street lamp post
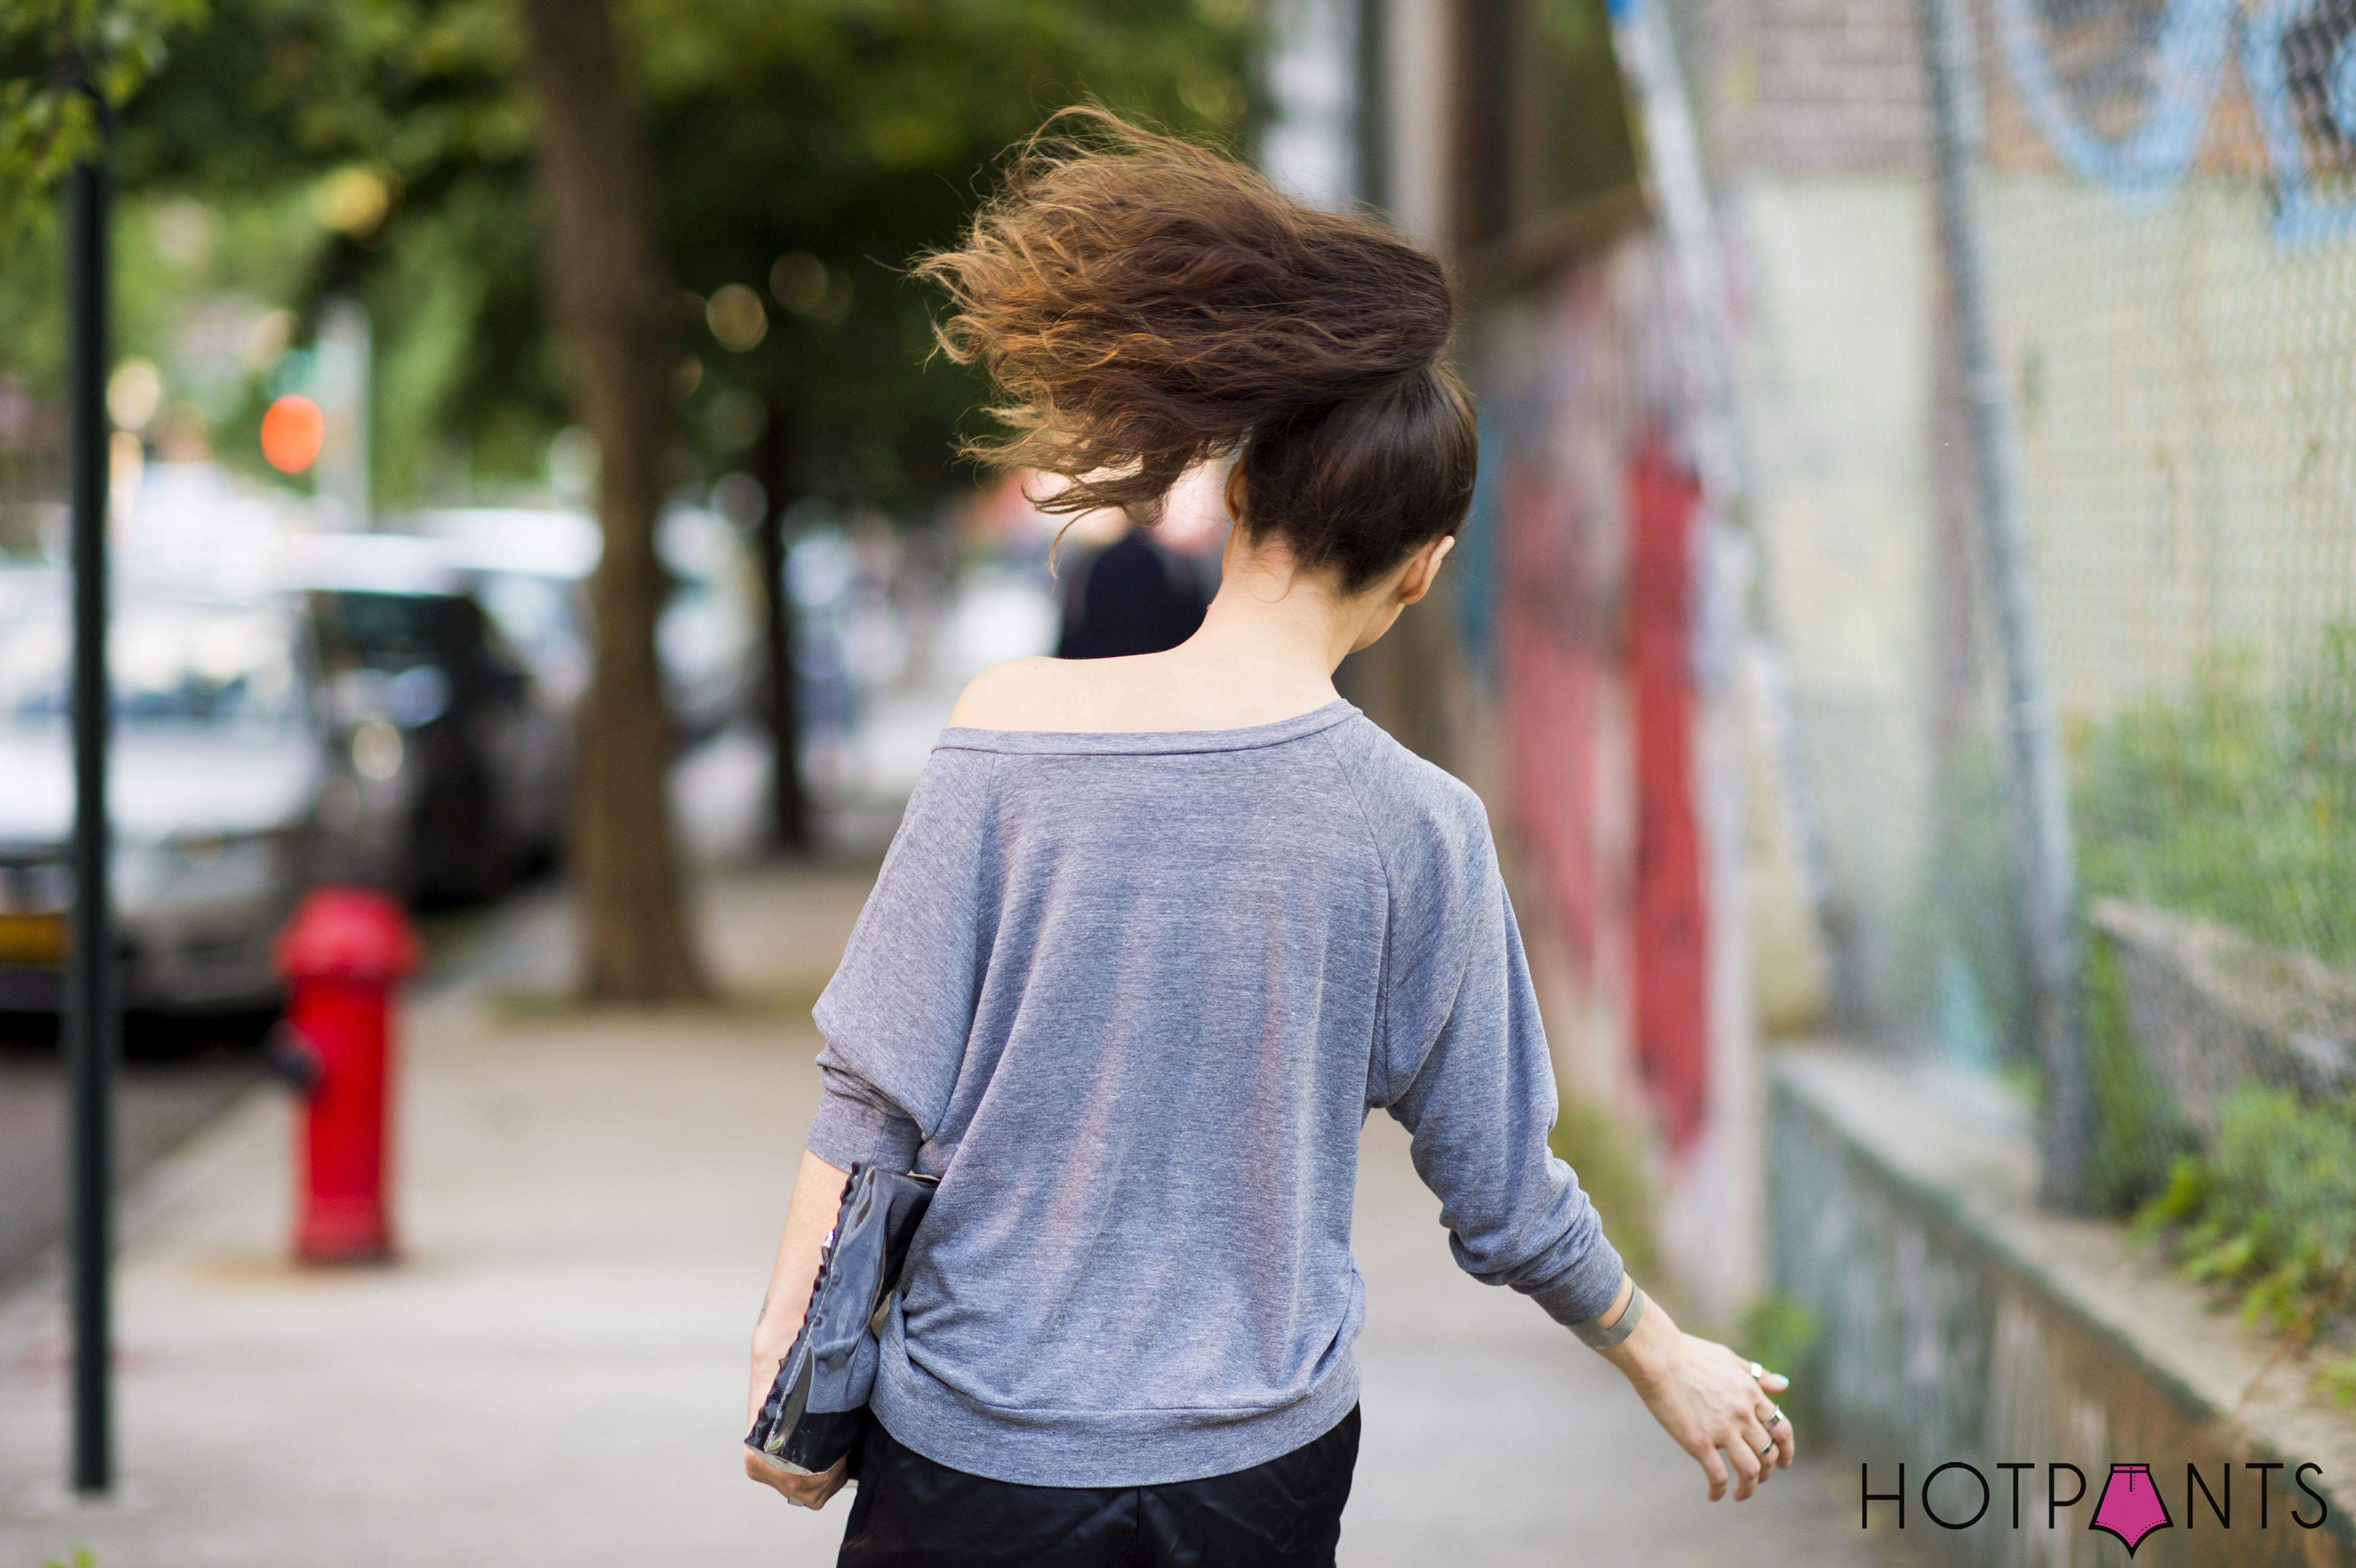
93, 1028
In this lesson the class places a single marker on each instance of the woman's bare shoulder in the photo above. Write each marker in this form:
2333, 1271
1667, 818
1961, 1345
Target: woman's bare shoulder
1139, 693
1021, 693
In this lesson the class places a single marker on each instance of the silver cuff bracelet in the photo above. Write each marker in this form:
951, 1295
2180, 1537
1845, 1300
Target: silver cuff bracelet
1599, 1338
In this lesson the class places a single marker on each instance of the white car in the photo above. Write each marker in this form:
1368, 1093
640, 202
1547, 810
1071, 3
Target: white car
217, 768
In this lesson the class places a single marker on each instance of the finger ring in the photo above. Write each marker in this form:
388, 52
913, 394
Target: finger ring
1757, 1371
1766, 1451
1773, 1419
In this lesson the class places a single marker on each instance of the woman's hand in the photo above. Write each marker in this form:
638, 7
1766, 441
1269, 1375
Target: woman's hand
1712, 1402
802, 1490
818, 1196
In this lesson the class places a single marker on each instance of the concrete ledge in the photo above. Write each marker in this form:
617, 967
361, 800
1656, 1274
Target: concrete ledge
1959, 1323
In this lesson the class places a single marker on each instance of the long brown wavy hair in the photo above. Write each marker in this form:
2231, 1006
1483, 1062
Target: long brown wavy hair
1145, 305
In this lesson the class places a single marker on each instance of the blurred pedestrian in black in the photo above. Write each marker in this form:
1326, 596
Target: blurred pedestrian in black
1134, 596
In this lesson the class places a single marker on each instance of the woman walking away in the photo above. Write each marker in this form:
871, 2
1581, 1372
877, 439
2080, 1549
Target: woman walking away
1159, 933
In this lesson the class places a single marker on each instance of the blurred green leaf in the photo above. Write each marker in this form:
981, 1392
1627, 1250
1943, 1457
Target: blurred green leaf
2338, 1381
2271, 1209
47, 122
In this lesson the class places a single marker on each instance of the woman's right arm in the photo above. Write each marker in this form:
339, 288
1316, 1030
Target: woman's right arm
818, 1197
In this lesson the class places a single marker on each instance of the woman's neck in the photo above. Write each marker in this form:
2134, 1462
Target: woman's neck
1266, 650
1269, 615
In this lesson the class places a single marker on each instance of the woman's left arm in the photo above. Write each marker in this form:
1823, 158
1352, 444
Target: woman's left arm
818, 1197
1716, 1406
1481, 1103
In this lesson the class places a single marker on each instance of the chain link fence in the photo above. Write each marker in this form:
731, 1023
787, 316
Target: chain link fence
2163, 201
2160, 196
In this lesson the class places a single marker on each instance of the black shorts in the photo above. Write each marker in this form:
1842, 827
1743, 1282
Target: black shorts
910, 1512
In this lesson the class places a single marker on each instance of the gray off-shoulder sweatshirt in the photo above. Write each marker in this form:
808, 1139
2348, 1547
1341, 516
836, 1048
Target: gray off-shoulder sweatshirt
1131, 997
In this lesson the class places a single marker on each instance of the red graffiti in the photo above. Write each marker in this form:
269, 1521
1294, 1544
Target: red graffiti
1671, 923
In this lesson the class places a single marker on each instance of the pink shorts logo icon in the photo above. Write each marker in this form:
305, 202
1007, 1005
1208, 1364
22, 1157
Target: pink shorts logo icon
2131, 1508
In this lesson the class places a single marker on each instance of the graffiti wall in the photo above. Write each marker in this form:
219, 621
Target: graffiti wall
1583, 610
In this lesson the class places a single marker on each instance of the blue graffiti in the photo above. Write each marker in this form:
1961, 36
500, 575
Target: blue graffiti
2301, 215
2192, 48
2189, 52
1477, 548
2343, 92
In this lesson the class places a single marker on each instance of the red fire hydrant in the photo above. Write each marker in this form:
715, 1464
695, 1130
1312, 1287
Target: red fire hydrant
342, 954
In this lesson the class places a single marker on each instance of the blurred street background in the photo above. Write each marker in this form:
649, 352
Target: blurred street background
1905, 636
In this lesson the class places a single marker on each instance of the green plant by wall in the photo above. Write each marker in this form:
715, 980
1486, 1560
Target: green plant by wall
2339, 1380
2271, 1210
2239, 804
1591, 1143
1782, 1333
2138, 1133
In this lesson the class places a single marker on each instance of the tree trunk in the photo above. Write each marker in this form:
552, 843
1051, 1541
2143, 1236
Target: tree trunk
790, 806
609, 300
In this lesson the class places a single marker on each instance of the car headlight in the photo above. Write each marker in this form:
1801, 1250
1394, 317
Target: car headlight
377, 750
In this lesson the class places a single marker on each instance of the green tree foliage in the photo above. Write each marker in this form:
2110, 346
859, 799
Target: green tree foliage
852, 135
393, 138
48, 120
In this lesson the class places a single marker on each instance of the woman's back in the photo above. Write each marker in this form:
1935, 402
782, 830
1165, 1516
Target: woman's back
1158, 931
1135, 993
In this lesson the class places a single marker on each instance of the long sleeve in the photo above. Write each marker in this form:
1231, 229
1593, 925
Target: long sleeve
1468, 1074
897, 1015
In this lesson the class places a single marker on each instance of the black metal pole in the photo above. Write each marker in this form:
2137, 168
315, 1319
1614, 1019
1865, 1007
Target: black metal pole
780, 686
92, 1030
1370, 116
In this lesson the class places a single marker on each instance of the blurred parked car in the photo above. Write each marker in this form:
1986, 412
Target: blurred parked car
456, 753
216, 779
531, 566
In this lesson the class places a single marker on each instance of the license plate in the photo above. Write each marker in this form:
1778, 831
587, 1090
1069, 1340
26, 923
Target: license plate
33, 938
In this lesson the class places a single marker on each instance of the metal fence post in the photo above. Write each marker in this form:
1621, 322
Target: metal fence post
2042, 851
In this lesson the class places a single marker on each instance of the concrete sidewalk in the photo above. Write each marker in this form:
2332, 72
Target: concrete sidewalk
554, 1373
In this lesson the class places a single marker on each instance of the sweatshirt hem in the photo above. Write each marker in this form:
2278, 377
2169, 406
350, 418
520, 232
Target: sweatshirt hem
1099, 1448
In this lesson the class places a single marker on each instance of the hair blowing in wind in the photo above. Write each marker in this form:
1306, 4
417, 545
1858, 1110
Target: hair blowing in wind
1145, 305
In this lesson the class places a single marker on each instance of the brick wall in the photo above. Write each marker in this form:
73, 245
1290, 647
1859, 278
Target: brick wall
1805, 86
